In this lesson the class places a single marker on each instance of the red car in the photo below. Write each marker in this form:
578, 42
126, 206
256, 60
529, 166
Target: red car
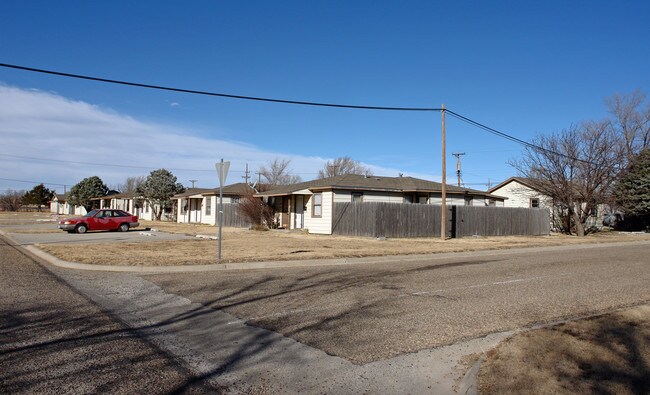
103, 219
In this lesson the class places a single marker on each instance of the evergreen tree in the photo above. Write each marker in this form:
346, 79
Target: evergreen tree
86, 189
39, 195
158, 189
633, 190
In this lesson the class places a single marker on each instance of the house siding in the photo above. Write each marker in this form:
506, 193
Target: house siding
322, 225
519, 195
343, 196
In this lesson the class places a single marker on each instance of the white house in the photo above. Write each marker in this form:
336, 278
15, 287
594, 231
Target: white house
309, 205
521, 192
198, 205
59, 205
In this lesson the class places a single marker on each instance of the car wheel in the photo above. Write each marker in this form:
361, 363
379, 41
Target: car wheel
81, 228
123, 228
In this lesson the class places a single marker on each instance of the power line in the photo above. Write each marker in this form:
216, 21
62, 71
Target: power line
512, 138
121, 166
297, 102
227, 95
33, 182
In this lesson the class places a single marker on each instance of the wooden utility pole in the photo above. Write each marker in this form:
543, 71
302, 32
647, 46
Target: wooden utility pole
246, 174
443, 215
458, 155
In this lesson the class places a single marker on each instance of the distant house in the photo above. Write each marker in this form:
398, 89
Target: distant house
59, 205
522, 192
309, 205
199, 205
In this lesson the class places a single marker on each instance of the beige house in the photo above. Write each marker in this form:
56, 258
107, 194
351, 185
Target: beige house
309, 205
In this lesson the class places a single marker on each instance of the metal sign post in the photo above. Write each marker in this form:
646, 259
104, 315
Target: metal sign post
222, 171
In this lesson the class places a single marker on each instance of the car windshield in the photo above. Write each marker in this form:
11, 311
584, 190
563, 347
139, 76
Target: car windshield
91, 213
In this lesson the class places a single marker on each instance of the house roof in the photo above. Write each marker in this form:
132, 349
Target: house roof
62, 197
529, 182
238, 189
370, 183
114, 196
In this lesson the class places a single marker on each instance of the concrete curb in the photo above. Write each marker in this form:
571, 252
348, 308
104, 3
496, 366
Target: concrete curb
304, 263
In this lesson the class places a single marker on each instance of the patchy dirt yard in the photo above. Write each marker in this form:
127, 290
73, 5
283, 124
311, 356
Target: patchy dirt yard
243, 245
609, 354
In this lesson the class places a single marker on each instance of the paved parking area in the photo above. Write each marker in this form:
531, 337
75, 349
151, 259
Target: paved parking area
62, 237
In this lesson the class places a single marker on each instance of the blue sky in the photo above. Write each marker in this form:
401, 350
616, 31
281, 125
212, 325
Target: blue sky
520, 67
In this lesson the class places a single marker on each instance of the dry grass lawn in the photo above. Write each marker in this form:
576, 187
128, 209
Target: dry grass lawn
243, 245
609, 354
11, 218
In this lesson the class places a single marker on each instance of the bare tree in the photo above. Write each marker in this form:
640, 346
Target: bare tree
343, 165
277, 172
576, 168
260, 214
11, 200
131, 185
631, 120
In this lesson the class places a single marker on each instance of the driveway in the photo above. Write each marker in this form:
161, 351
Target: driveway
133, 235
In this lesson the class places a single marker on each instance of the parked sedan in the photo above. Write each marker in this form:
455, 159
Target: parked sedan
104, 219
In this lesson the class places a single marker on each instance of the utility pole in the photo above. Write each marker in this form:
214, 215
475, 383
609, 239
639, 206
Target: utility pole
246, 174
458, 155
193, 181
443, 215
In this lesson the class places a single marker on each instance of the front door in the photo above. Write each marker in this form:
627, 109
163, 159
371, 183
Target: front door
284, 217
195, 210
298, 209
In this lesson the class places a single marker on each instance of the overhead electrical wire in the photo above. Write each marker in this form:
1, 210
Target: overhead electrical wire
296, 102
227, 95
33, 182
122, 166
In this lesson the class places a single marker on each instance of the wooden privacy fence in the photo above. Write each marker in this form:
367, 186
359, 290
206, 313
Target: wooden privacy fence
423, 220
231, 216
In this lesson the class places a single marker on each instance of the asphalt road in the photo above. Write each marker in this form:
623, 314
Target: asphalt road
390, 327
372, 312
54, 340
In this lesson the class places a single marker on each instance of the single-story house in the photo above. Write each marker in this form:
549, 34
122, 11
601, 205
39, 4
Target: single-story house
59, 205
522, 192
309, 205
135, 205
198, 205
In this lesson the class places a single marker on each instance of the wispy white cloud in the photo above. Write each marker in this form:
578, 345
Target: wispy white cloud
174, 104
44, 125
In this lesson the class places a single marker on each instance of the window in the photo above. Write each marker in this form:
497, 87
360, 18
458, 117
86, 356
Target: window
534, 203
317, 205
423, 199
492, 202
234, 199
208, 206
408, 198
469, 200
357, 197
